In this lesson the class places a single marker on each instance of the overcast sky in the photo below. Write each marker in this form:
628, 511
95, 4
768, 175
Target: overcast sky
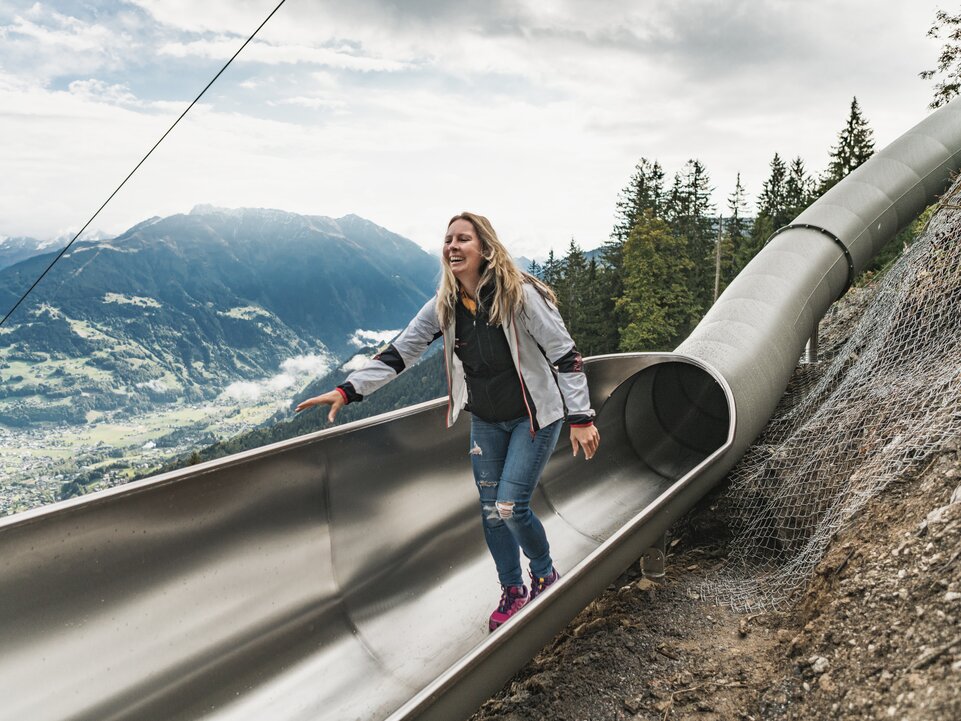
409, 111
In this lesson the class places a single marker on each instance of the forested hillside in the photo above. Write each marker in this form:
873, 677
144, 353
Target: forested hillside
176, 309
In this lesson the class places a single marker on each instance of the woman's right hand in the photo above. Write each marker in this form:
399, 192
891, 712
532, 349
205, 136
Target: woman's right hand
334, 399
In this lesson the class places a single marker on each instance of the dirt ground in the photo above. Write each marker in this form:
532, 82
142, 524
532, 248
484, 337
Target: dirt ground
876, 634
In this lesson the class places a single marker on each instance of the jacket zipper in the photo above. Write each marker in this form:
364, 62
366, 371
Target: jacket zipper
450, 387
520, 375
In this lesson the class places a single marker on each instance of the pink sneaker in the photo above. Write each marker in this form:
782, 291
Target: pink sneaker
513, 599
539, 585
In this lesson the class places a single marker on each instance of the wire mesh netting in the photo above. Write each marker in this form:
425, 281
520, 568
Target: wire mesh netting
883, 400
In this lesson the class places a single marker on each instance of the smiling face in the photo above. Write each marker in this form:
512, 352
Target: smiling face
463, 252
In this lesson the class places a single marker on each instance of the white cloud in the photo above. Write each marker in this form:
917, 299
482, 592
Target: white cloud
279, 382
156, 385
315, 365
293, 371
66, 33
99, 91
236, 16
532, 113
361, 338
313, 102
280, 54
64, 152
358, 361
42, 44
243, 392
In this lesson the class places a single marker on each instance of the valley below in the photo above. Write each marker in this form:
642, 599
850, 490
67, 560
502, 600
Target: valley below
46, 463
138, 352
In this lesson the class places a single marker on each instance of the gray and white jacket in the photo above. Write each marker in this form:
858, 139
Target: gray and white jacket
548, 364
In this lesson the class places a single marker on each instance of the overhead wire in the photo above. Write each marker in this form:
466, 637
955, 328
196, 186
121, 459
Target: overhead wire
137, 167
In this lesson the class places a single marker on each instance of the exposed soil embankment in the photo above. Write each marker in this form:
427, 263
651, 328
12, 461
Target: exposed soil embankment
877, 634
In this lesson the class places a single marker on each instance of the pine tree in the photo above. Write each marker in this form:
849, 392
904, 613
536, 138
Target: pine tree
657, 303
798, 189
675, 202
608, 286
736, 233
592, 336
690, 214
772, 201
571, 288
772, 213
644, 190
949, 61
723, 259
535, 269
551, 272
855, 145
761, 230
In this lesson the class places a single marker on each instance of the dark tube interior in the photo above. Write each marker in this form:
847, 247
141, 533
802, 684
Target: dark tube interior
656, 425
675, 415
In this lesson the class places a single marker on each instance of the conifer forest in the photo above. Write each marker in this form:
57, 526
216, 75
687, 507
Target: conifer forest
672, 252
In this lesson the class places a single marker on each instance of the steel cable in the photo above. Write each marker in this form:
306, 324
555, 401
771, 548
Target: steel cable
142, 161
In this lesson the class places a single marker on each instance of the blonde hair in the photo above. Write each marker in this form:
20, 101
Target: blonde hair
498, 271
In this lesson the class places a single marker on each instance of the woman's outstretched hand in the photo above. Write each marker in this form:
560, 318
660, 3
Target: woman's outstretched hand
334, 399
585, 437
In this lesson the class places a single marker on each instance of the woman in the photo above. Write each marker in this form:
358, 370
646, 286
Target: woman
510, 362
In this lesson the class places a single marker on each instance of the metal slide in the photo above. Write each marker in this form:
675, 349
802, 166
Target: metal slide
343, 575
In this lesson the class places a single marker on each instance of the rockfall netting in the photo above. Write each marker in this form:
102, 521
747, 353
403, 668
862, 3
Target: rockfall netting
884, 398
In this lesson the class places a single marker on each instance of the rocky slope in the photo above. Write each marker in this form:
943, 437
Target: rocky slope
876, 636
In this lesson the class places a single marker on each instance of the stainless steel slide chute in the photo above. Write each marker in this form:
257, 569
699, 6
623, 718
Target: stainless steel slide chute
333, 576
343, 575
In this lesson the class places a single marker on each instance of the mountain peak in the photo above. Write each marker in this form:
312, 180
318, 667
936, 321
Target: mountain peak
208, 209
203, 209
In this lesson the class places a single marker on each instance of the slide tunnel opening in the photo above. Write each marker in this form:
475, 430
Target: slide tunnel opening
662, 417
674, 415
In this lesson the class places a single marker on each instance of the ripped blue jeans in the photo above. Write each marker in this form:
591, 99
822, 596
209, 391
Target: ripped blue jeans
507, 464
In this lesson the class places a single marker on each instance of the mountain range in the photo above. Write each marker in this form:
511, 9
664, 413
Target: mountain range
180, 307
13, 250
